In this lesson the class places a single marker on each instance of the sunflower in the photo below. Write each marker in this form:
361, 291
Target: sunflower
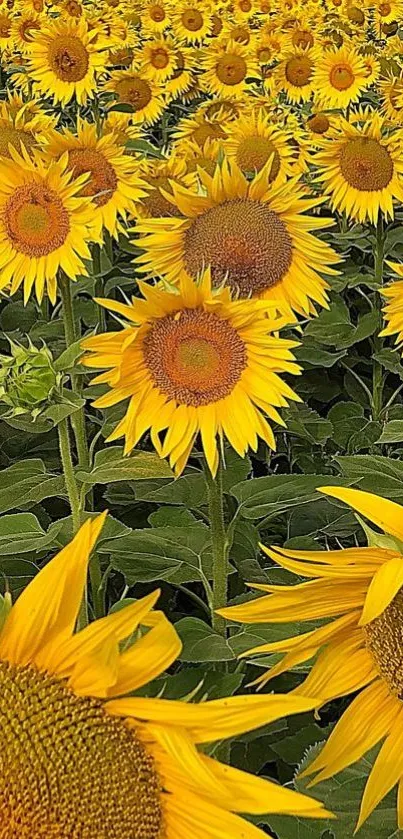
64, 62
228, 69
201, 126
340, 77
21, 125
157, 59
255, 236
386, 11
252, 140
158, 175
191, 22
81, 758
23, 29
359, 649
295, 73
238, 32
244, 9
183, 74
132, 88
114, 184
6, 22
45, 224
194, 361
393, 311
391, 93
195, 157
155, 17
361, 169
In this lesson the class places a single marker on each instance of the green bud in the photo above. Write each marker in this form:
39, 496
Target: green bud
5, 607
27, 378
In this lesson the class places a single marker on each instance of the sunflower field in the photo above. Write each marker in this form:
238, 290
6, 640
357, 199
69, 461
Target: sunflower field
201, 419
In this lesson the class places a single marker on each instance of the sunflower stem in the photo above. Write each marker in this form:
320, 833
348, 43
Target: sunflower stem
99, 286
71, 335
68, 471
377, 371
219, 545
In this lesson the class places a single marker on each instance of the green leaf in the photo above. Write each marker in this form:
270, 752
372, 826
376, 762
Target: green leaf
277, 493
22, 533
201, 643
390, 360
392, 432
303, 422
143, 146
15, 574
68, 359
111, 466
28, 482
373, 473
347, 418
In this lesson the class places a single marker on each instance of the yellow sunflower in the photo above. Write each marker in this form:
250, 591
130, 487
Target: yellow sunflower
22, 125
340, 77
252, 140
6, 22
386, 11
157, 59
191, 21
195, 157
193, 361
114, 183
255, 236
155, 17
361, 169
228, 69
391, 92
80, 757
23, 29
64, 62
295, 74
200, 127
132, 88
183, 74
393, 311
45, 224
359, 649
158, 175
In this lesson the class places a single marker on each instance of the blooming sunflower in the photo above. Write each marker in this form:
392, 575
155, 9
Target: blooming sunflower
191, 22
132, 88
361, 168
183, 74
155, 17
391, 92
157, 59
158, 175
64, 62
253, 139
23, 29
228, 68
194, 361
202, 126
80, 758
393, 311
21, 125
340, 77
359, 649
295, 73
114, 183
255, 236
45, 224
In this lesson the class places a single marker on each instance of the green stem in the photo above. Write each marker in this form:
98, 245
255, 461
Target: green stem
71, 335
99, 286
219, 546
97, 586
377, 371
68, 471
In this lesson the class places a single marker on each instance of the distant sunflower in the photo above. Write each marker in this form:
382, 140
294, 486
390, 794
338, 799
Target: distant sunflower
228, 68
391, 92
255, 236
63, 60
193, 361
361, 168
158, 175
295, 75
191, 21
200, 127
145, 97
340, 77
6, 23
183, 73
252, 140
23, 29
21, 125
80, 755
359, 650
155, 17
45, 225
393, 311
114, 182
157, 59
195, 158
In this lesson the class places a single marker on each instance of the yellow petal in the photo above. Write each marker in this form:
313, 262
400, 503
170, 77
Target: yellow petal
148, 657
386, 772
382, 512
384, 585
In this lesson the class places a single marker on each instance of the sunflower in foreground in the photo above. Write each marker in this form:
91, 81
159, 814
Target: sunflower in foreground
253, 139
114, 184
64, 61
359, 650
193, 361
340, 77
78, 758
255, 236
361, 168
45, 225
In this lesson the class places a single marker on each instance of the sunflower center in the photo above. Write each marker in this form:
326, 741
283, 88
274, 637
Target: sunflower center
231, 69
217, 25
68, 769
103, 181
5, 26
264, 54
366, 165
35, 220
355, 15
27, 28
159, 58
384, 639
157, 14
155, 202
68, 58
207, 131
192, 19
341, 77
240, 34
384, 9
16, 138
245, 6
254, 152
319, 123
302, 39
246, 244
195, 358
298, 70
135, 92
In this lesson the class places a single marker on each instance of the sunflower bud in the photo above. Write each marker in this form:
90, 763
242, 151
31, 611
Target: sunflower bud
27, 378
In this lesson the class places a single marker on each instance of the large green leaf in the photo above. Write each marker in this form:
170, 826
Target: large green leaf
28, 482
111, 466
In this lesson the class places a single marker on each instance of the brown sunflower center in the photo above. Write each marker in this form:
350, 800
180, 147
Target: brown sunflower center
157, 14
15, 137
135, 92
27, 27
122, 57
240, 34
192, 19
5, 26
298, 70
159, 58
384, 639
355, 15
319, 123
341, 76
202, 162
384, 9
195, 357
246, 244
264, 54
231, 69
245, 6
254, 152
73, 8
207, 131
68, 769
35, 219
366, 165
302, 39
217, 25
68, 58
102, 182
155, 202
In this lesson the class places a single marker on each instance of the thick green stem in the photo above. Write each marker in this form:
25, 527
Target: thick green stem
68, 471
71, 335
377, 371
219, 546
99, 286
